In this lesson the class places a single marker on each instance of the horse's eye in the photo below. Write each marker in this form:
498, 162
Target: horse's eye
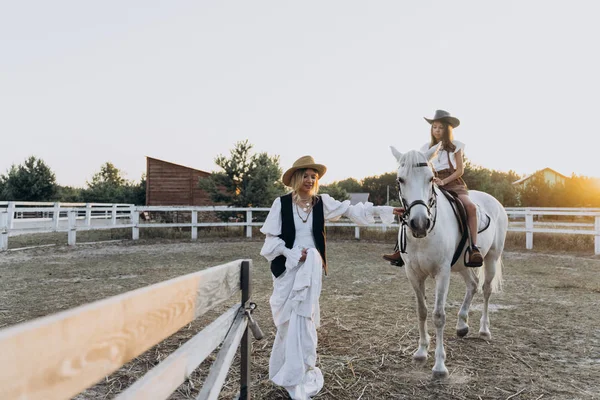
400, 180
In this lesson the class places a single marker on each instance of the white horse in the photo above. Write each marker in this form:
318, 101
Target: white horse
430, 249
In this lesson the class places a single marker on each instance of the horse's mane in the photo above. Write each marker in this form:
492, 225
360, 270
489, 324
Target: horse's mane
410, 160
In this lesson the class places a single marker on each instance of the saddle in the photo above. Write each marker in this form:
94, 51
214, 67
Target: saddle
461, 216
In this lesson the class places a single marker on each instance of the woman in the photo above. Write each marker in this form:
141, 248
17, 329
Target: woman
449, 167
295, 245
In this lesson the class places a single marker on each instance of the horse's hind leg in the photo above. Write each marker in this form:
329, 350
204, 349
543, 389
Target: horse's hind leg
418, 284
471, 281
492, 269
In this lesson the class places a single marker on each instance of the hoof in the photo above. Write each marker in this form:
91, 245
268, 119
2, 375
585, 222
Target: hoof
462, 332
485, 335
443, 374
419, 358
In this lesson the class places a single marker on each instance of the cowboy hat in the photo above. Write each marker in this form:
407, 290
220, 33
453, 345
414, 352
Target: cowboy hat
444, 116
305, 162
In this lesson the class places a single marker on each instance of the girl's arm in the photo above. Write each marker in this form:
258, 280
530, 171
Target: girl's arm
460, 169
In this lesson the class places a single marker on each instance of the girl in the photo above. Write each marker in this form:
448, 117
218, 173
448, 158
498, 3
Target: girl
295, 245
449, 167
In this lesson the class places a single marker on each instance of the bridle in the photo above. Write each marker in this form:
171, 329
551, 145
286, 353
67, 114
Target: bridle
432, 204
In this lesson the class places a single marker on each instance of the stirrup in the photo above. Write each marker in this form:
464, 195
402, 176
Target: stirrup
399, 263
469, 262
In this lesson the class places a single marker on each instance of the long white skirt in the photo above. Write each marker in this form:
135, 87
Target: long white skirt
295, 308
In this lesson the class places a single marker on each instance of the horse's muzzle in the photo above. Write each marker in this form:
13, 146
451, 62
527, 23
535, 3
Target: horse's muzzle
419, 226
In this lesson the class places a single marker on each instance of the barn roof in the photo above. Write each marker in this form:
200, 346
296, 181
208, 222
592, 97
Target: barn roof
358, 198
537, 172
178, 165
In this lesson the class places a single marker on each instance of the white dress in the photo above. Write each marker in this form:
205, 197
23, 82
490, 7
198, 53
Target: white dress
295, 298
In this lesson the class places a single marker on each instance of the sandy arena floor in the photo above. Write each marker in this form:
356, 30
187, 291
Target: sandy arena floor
545, 326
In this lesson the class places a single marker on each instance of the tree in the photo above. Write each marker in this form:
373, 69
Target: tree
110, 186
350, 185
498, 184
378, 185
31, 181
247, 180
335, 190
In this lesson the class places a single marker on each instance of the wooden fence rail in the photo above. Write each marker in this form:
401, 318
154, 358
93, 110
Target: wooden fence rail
58, 356
111, 216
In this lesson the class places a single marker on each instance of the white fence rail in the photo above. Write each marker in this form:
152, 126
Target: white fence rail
22, 218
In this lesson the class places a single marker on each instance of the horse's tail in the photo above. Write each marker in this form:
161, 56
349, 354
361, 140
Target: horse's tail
491, 266
492, 262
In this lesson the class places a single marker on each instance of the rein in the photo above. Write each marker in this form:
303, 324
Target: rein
408, 207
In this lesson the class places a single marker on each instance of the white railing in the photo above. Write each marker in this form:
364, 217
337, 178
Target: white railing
81, 217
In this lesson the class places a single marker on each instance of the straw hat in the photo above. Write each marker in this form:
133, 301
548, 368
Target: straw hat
305, 162
444, 116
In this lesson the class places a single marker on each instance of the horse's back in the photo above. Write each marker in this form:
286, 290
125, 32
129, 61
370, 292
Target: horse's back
499, 220
490, 205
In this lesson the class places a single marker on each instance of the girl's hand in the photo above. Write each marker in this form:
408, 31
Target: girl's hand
398, 211
438, 181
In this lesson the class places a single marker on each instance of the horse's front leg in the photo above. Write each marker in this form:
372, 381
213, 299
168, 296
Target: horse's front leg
442, 281
471, 280
418, 284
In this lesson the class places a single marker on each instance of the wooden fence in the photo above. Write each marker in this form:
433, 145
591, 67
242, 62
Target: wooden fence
71, 219
58, 356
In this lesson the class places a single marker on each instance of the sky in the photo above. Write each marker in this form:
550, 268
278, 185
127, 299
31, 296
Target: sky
83, 83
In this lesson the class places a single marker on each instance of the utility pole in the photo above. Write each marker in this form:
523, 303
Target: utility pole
388, 196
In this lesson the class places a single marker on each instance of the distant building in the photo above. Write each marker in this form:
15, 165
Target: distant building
356, 198
169, 184
551, 177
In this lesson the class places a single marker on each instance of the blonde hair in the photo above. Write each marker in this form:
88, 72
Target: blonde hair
296, 182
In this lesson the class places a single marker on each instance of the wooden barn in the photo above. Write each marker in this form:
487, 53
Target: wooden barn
550, 176
169, 184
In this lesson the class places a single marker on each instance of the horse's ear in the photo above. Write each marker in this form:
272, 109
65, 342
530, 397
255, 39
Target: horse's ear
396, 153
432, 151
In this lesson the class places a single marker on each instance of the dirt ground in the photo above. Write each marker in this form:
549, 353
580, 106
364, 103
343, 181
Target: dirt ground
545, 325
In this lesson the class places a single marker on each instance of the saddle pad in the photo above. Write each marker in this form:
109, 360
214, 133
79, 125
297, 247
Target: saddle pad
483, 220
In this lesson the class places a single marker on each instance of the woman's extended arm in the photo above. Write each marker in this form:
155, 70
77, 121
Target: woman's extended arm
360, 214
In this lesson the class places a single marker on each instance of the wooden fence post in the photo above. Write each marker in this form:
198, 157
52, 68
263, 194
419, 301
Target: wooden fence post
356, 232
11, 214
246, 284
88, 214
3, 231
529, 230
72, 235
135, 220
248, 222
194, 227
597, 238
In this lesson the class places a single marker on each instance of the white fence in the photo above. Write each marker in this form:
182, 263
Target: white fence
23, 218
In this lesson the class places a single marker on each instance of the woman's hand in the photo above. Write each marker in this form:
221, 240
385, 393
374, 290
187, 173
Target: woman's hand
303, 257
438, 181
398, 210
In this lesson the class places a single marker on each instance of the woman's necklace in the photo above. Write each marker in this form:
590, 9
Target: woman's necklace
306, 205
304, 220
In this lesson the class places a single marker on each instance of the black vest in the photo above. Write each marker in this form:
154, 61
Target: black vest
288, 231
